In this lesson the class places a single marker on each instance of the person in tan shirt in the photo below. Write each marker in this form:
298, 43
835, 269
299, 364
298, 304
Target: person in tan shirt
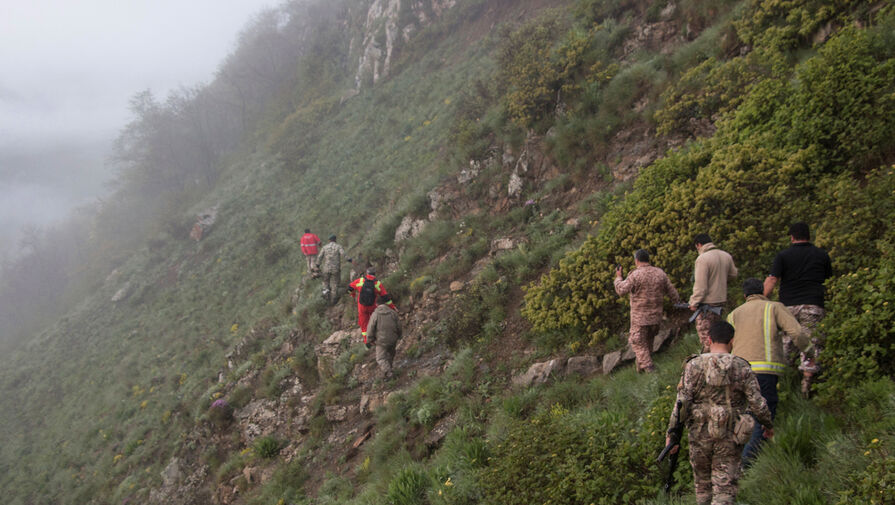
711, 271
647, 286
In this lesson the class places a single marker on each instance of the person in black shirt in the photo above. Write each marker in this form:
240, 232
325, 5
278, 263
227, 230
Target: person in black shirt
801, 270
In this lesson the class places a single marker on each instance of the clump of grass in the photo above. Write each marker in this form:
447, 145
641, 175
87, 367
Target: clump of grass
267, 447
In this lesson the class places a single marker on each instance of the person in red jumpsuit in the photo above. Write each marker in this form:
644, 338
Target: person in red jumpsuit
366, 290
309, 244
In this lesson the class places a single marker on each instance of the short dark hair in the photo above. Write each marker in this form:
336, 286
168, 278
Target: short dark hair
332, 238
307, 230
702, 238
721, 332
385, 299
371, 270
641, 255
800, 231
752, 286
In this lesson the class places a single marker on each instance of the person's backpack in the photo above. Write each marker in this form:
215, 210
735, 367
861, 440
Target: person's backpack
367, 294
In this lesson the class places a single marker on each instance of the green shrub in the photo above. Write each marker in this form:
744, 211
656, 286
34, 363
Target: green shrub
875, 484
734, 187
267, 447
408, 487
558, 457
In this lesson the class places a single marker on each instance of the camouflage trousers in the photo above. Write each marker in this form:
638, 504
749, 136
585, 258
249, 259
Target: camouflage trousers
641, 341
716, 468
809, 317
703, 323
332, 286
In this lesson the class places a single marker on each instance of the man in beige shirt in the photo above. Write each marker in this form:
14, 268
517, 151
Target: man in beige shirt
712, 270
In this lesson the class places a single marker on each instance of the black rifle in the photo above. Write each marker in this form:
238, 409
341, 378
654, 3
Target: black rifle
675, 433
704, 307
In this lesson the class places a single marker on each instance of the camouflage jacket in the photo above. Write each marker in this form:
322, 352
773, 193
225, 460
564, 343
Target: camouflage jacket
330, 257
717, 388
647, 286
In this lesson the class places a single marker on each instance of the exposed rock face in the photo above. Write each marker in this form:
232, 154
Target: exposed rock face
257, 419
204, 221
329, 350
369, 403
502, 244
584, 366
380, 35
179, 490
539, 373
666, 333
610, 361
409, 228
440, 430
336, 413
122, 293
383, 34
630, 151
514, 187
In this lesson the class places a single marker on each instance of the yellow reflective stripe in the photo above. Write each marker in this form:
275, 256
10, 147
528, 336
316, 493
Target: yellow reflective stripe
767, 366
378, 285
767, 333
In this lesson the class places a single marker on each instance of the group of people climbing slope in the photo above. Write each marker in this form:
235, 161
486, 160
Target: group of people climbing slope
377, 314
733, 383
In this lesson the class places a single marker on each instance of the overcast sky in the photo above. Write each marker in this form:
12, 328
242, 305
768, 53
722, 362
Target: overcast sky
68, 69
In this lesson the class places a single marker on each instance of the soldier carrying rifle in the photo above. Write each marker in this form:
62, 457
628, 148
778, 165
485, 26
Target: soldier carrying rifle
717, 398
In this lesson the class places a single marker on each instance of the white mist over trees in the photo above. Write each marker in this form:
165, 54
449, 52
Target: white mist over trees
167, 155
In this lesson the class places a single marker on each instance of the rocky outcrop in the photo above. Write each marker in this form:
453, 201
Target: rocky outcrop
384, 33
204, 221
502, 244
587, 366
539, 373
583, 366
409, 228
181, 489
122, 292
329, 350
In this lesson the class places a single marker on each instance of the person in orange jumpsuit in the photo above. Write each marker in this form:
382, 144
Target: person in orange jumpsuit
366, 289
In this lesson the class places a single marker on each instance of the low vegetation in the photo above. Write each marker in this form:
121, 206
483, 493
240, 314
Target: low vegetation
778, 111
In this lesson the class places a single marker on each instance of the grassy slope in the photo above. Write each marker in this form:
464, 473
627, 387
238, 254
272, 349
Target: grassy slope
74, 398
82, 385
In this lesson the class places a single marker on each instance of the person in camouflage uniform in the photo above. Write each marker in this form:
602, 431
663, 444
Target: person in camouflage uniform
801, 270
330, 258
714, 394
647, 286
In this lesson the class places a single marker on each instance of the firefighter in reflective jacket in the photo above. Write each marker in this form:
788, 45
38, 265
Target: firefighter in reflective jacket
366, 290
309, 244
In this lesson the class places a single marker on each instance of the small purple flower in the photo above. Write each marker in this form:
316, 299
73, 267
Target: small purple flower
529, 202
220, 403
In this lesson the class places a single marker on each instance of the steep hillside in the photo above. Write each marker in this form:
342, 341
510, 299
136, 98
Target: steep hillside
493, 159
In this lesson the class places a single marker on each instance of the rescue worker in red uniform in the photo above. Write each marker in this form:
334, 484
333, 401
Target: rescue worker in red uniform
366, 290
309, 244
